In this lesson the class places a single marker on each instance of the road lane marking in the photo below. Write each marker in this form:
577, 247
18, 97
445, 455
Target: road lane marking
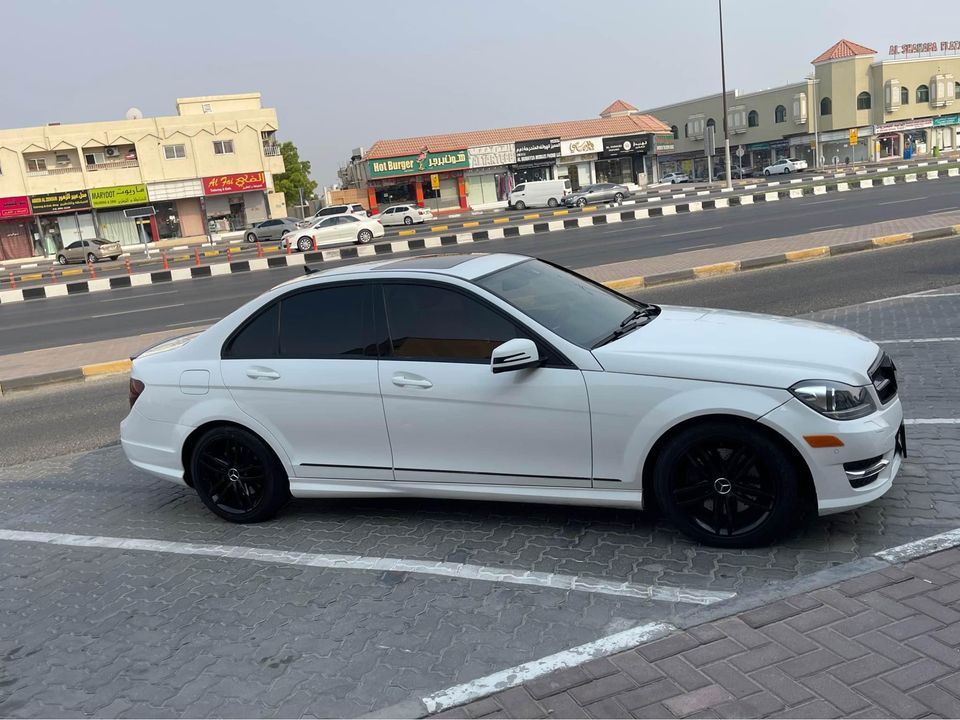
462, 571
894, 202
142, 295
689, 232
128, 312
519, 674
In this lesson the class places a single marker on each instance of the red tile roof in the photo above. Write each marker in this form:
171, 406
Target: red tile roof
617, 106
571, 130
843, 49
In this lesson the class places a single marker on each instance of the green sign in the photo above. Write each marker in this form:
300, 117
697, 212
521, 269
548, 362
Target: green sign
946, 120
415, 164
118, 195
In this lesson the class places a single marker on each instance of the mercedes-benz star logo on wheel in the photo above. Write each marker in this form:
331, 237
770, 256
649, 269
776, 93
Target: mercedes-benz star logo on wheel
722, 486
233, 475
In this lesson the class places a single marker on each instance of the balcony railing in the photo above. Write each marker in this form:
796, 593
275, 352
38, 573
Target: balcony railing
112, 165
53, 171
271, 150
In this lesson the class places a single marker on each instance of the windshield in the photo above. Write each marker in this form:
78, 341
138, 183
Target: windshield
573, 307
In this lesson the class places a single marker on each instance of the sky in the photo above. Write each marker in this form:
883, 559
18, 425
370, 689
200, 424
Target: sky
343, 75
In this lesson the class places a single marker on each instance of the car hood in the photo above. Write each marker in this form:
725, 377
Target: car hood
739, 347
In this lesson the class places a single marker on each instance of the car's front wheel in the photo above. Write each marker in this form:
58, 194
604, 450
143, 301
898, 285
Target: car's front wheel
237, 476
304, 244
520, 205
728, 485
251, 237
408, 220
364, 236
766, 173
91, 258
618, 197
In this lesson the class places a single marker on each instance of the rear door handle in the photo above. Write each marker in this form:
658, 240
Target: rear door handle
262, 374
402, 380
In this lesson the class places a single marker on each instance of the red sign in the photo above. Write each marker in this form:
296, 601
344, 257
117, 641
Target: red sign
14, 207
220, 184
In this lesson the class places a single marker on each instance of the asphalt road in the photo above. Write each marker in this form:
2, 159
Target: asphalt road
83, 416
120, 313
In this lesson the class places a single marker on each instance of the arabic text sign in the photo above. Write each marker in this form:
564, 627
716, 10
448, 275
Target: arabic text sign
58, 202
583, 146
118, 195
240, 182
14, 207
529, 150
415, 164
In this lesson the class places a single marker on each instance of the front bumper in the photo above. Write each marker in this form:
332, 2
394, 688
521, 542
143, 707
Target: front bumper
874, 436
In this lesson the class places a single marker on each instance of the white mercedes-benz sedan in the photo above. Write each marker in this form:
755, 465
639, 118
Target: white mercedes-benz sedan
502, 377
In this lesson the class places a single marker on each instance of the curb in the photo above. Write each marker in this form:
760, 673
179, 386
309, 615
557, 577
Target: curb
636, 282
438, 241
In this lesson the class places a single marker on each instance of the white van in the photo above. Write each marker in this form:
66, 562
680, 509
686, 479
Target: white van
539, 193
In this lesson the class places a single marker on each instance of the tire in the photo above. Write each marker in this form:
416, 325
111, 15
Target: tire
582, 202
766, 173
251, 237
520, 205
62, 259
727, 485
364, 236
237, 476
408, 220
787, 171
91, 258
113, 258
552, 202
305, 243
618, 197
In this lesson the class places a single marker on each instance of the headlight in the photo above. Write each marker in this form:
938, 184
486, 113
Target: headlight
835, 400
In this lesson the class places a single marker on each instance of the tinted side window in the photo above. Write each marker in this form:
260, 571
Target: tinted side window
519, 188
257, 340
433, 323
326, 323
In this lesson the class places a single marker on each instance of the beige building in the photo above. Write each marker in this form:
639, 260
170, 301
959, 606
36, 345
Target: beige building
208, 168
904, 106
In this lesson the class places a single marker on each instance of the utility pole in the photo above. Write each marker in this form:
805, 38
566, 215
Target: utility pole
723, 83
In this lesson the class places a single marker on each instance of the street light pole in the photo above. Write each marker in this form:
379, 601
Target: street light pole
723, 83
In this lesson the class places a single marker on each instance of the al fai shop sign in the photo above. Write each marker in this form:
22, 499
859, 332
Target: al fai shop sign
118, 195
533, 150
12, 207
491, 155
60, 202
415, 164
625, 145
240, 182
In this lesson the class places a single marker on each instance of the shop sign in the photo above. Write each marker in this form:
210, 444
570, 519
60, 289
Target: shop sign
241, 182
528, 150
118, 195
414, 164
925, 47
60, 202
175, 189
903, 125
583, 146
664, 143
491, 155
625, 145
946, 120
12, 207
802, 139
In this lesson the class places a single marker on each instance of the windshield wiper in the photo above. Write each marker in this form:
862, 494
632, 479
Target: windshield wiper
630, 323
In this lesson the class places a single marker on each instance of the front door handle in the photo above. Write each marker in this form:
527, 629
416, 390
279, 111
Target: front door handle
262, 374
402, 380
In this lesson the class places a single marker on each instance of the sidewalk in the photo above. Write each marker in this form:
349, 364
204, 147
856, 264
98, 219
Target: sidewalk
884, 644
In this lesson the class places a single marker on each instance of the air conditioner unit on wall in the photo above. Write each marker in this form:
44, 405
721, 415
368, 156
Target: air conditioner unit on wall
111, 152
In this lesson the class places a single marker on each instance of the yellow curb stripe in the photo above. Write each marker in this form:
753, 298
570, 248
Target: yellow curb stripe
183, 257
956, 229
474, 223
588, 208
75, 271
32, 276
531, 216
271, 249
499, 220
561, 212
210, 253
716, 269
233, 250
630, 283
896, 239
439, 228
407, 232
106, 368
807, 254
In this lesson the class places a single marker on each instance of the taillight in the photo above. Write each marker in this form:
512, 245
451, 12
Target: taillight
136, 388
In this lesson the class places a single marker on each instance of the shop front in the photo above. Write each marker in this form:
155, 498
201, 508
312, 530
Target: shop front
944, 132
16, 229
903, 138
803, 147
622, 159
577, 158
178, 208
433, 180
62, 218
488, 180
535, 160
234, 202
114, 224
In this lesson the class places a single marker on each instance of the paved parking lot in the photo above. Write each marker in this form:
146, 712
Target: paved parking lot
363, 604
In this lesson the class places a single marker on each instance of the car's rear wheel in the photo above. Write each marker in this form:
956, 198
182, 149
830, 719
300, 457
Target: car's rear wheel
552, 202
364, 236
786, 171
304, 244
728, 485
114, 257
62, 259
408, 220
251, 237
91, 258
237, 476
581, 202
520, 205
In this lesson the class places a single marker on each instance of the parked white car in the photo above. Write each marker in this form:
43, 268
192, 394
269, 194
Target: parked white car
333, 230
675, 177
403, 215
345, 209
501, 377
785, 166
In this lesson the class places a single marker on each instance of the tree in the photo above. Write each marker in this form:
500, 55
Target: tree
295, 177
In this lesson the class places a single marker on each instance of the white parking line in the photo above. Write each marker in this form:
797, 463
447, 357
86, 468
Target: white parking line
511, 677
919, 548
462, 571
932, 421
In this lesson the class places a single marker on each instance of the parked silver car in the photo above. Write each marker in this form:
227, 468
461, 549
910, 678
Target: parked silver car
271, 229
89, 251
601, 192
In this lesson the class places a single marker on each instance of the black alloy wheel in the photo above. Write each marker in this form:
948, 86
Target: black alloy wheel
582, 202
618, 197
727, 485
304, 244
62, 259
237, 476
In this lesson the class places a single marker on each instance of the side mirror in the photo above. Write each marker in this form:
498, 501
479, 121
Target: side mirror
514, 355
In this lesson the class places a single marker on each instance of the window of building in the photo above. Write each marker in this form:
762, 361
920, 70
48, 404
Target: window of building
63, 159
780, 114
686, 130
433, 323
326, 323
753, 119
223, 147
863, 101
904, 95
826, 106
36, 164
711, 123
176, 152
676, 131
923, 94
956, 91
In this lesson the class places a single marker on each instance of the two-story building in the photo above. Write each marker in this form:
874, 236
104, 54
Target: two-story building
208, 168
900, 106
